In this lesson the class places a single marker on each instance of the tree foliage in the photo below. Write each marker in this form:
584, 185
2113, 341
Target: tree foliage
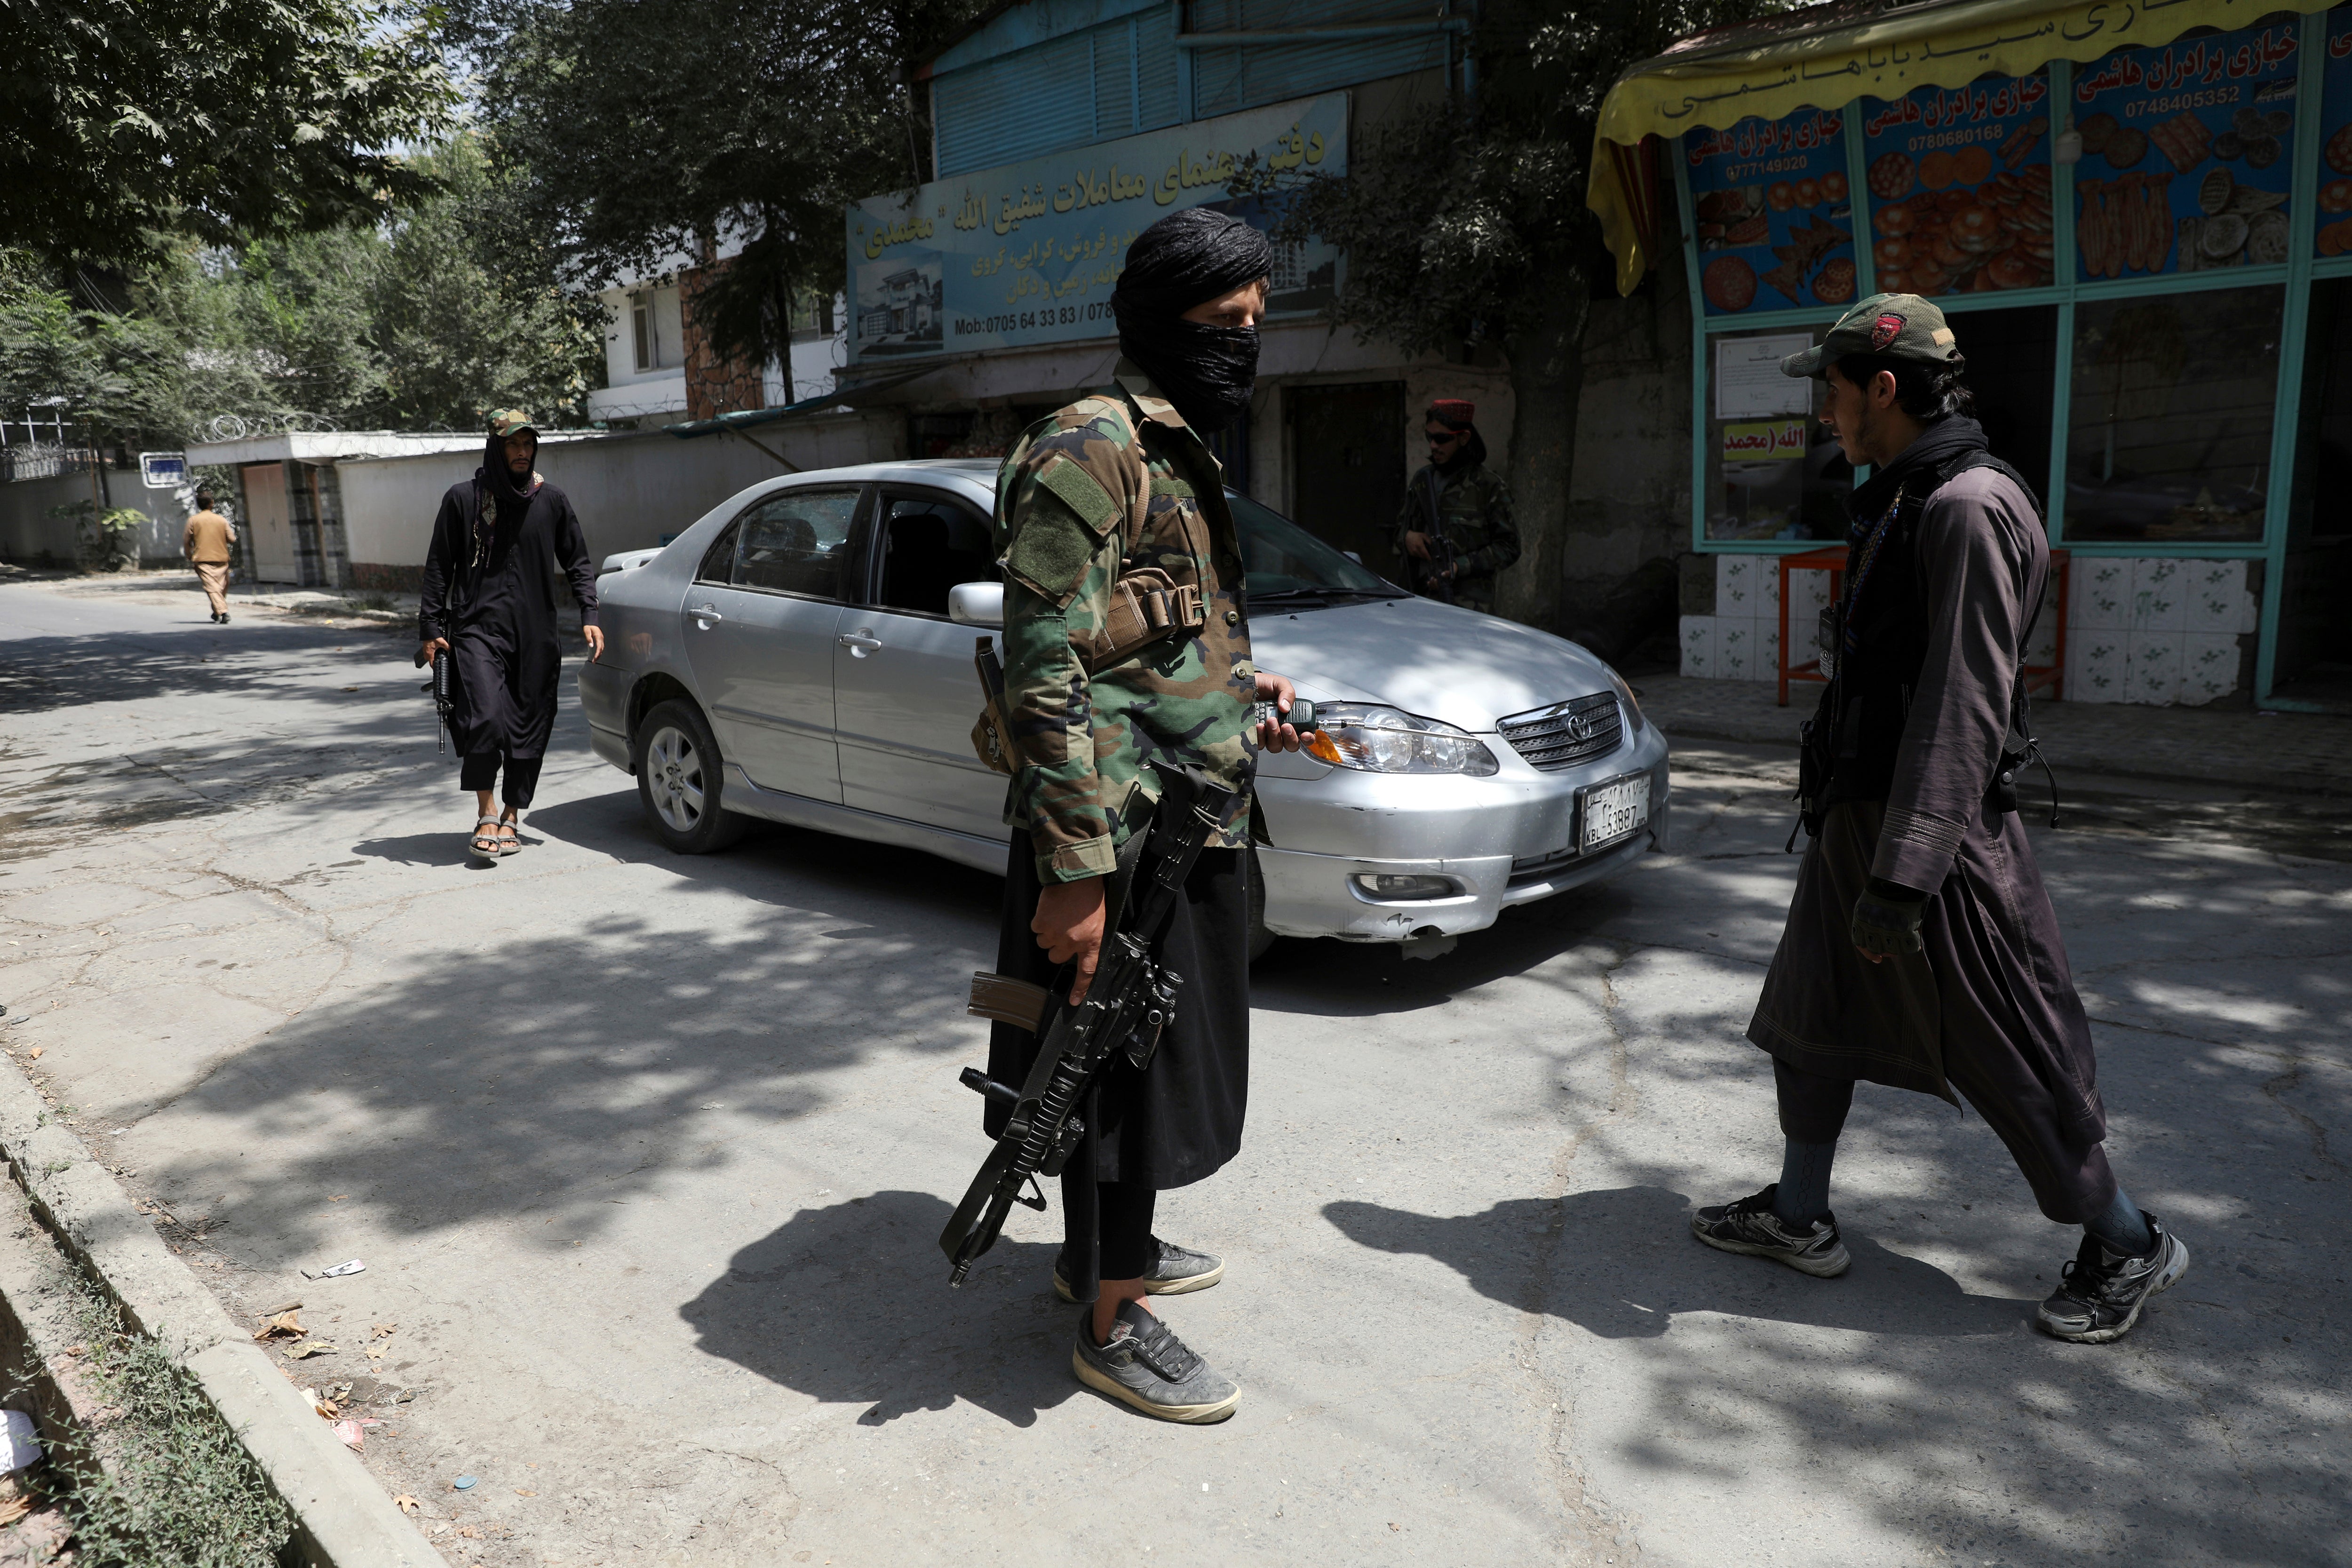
431, 320
1455, 218
1466, 223
645, 131
125, 120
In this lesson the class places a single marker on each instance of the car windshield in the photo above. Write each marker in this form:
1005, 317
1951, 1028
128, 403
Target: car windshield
1284, 561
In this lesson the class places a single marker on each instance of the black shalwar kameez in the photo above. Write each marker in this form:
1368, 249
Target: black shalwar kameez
1990, 1007
489, 590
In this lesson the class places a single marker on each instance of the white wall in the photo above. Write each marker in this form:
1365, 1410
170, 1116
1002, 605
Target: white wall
2150, 630
27, 531
629, 489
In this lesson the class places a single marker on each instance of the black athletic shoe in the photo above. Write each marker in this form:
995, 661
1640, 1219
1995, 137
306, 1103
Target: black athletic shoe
1175, 1272
2100, 1293
1146, 1365
1750, 1227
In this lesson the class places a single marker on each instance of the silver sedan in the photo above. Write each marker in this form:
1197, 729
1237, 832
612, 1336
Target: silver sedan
804, 654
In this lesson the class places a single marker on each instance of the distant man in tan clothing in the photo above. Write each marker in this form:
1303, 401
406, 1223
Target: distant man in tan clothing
206, 545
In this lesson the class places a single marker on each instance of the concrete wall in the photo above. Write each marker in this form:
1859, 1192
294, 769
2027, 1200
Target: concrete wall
1629, 497
630, 491
31, 536
2149, 629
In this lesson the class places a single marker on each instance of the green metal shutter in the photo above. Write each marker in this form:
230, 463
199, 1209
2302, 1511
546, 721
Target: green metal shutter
1114, 48
1226, 79
1155, 69
1016, 106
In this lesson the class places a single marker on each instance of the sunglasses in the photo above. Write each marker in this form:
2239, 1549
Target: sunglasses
1444, 438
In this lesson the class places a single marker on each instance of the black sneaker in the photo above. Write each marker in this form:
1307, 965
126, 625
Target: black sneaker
1749, 1226
1175, 1272
1146, 1365
2100, 1293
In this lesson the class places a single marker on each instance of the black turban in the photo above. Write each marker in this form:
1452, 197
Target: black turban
1188, 258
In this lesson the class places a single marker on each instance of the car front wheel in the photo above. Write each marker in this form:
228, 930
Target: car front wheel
678, 781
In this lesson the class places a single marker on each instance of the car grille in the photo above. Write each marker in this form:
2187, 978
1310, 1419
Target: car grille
1566, 733
1539, 867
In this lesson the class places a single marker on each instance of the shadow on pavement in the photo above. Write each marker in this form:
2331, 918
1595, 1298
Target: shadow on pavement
38, 674
849, 1304
567, 1056
1626, 1263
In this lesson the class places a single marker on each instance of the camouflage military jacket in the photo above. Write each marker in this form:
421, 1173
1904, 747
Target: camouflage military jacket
1474, 514
1111, 485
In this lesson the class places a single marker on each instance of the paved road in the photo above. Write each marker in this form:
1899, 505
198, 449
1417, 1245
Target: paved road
646, 1157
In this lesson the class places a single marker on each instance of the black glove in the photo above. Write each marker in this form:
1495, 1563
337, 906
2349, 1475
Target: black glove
1886, 918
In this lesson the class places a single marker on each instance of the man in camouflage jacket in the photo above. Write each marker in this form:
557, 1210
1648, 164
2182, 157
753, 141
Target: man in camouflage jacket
1456, 498
1107, 488
1127, 640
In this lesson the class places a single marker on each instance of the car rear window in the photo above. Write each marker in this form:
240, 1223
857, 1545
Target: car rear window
930, 543
795, 543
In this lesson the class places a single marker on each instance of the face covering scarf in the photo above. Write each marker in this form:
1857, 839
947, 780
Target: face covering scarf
1189, 258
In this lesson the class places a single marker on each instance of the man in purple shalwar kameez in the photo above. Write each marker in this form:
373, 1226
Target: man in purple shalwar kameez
1921, 949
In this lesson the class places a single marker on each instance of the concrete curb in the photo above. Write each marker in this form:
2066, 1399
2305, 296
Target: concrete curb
343, 1518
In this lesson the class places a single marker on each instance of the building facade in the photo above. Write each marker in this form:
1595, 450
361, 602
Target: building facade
660, 368
1061, 129
2133, 220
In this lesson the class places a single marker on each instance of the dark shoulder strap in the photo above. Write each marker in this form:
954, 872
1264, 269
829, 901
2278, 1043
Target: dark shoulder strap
1981, 459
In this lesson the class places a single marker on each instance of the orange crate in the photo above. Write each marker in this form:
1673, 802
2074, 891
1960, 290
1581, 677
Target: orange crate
2049, 679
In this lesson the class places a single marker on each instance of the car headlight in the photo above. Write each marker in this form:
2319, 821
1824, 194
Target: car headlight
1376, 740
1634, 720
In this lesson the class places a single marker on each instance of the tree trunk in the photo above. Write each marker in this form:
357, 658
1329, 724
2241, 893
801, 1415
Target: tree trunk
1547, 380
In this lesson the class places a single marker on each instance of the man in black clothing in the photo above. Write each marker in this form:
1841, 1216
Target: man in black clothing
488, 600
1921, 948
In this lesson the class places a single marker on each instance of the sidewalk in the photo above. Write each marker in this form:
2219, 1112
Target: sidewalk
2291, 753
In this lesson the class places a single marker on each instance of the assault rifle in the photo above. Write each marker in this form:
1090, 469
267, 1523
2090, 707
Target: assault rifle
1131, 1000
1433, 578
439, 686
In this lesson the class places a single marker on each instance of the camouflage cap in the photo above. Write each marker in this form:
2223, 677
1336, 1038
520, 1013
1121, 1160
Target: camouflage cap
515, 422
1901, 326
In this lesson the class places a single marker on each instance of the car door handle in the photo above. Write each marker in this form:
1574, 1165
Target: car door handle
860, 642
706, 614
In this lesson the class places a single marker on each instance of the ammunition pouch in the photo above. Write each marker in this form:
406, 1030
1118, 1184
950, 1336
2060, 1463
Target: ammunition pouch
991, 737
992, 741
1145, 606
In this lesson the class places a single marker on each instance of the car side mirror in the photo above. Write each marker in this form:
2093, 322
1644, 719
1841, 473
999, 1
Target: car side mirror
976, 603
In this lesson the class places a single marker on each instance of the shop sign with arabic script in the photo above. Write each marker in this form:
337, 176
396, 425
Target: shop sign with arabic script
1027, 254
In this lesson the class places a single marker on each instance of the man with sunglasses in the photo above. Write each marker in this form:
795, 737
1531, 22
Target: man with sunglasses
1455, 532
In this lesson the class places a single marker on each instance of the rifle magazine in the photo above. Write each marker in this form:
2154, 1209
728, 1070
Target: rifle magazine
1005, 1000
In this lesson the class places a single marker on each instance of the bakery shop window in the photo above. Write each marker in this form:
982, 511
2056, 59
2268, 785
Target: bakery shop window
2012, 356
2169, 424
2332, 230
1960, 187
1772, 217
2188, 155
1774, 470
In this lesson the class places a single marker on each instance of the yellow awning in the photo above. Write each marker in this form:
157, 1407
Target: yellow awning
1762, 69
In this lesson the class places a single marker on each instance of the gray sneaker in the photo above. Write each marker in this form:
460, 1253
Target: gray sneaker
1175, 1272
1146, 1365
2100, 1293
1750, 1227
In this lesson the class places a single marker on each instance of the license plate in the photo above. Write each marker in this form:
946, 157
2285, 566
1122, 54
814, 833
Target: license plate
1608, 812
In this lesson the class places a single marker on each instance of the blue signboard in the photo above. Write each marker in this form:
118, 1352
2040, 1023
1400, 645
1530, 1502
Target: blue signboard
1027, 254
164, 470
1772, 209
1960, 186
2188, 155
